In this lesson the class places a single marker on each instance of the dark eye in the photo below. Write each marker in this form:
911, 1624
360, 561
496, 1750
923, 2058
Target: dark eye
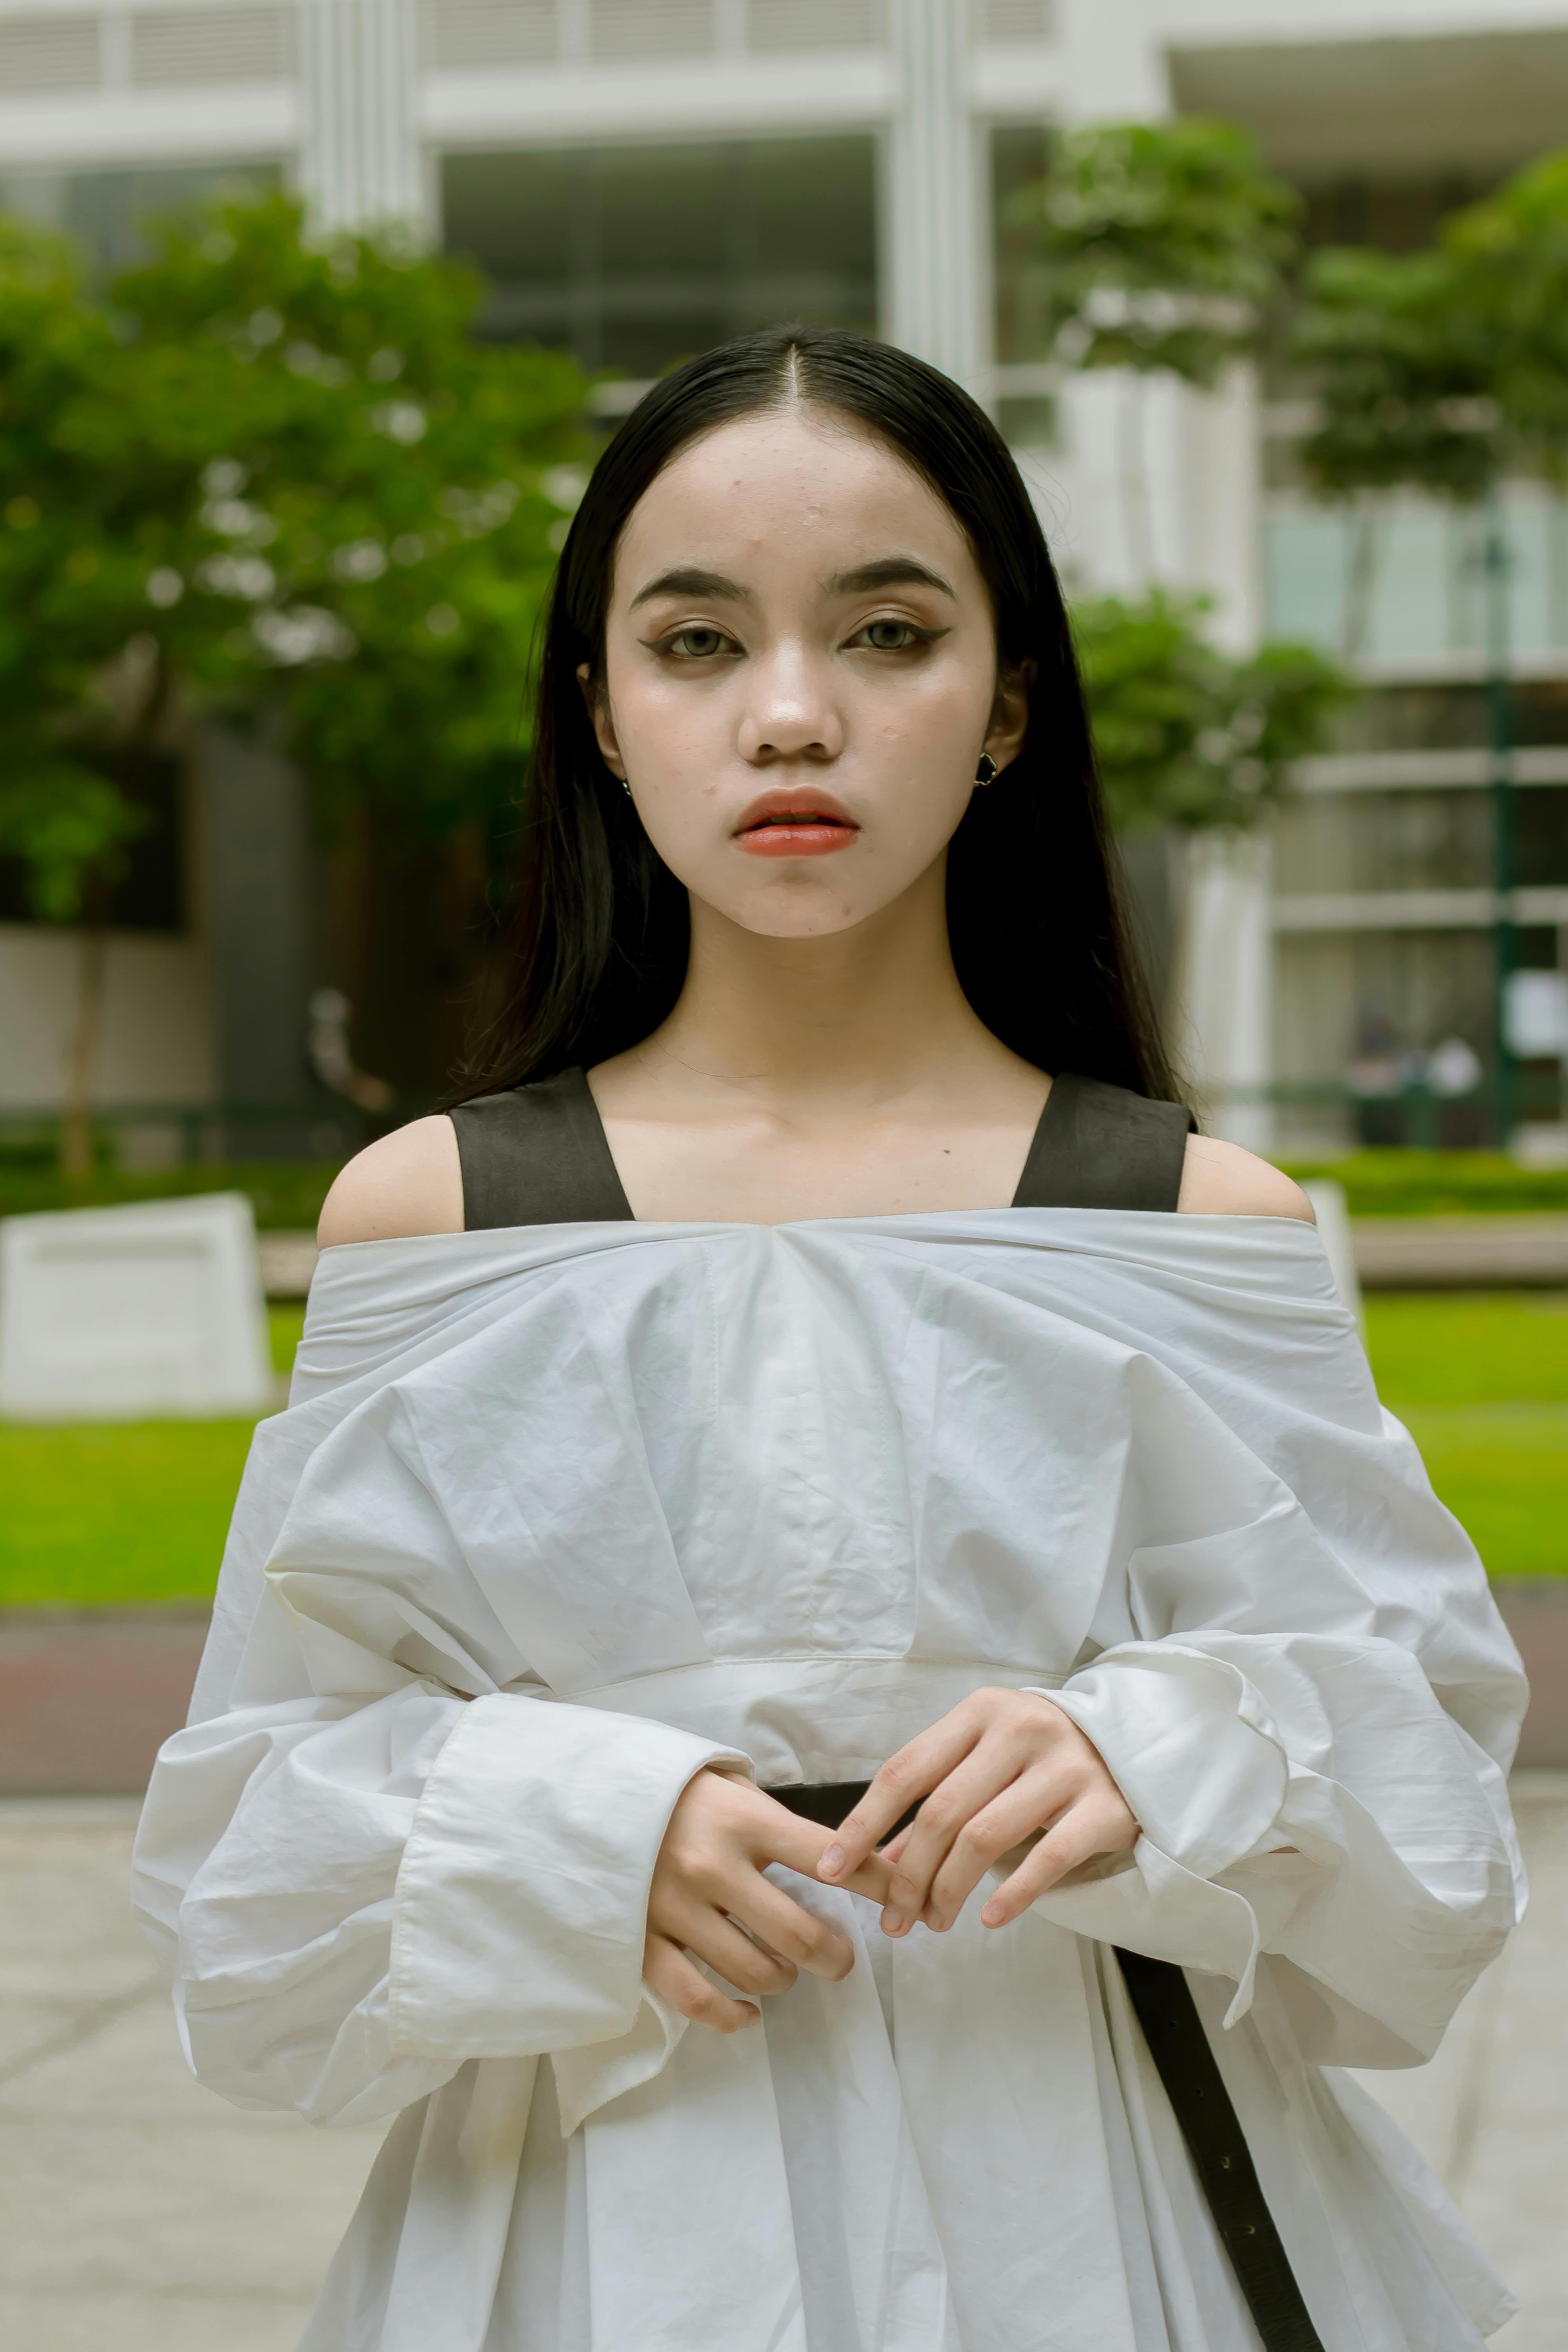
890, 637
697, 644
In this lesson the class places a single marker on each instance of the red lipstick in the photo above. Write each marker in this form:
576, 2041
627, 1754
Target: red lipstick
795, 821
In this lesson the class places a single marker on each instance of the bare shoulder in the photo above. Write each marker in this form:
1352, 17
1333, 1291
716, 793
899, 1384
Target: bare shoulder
1221, 1179
409, 1182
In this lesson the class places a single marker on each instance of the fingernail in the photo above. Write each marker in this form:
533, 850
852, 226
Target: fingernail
832, 1861
892, 1923
993, 1916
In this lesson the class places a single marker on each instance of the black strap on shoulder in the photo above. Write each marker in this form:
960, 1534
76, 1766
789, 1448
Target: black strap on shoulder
1164, 2005
1100, 1147
1163, 2002
537, 1156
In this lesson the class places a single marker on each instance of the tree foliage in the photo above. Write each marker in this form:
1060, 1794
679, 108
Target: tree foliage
1155, 246
1509, 256
1186, 735
1441, 369
272, 475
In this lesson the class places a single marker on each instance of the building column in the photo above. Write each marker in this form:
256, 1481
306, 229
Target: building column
936, 240
359, 160
1220, 1022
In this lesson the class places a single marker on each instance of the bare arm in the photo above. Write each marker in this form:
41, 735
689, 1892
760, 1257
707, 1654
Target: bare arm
1221, 1179
409, 1182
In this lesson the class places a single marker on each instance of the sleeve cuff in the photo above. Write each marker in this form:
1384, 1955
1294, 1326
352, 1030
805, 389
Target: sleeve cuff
1189, 1744
521, 1909
1186, 1740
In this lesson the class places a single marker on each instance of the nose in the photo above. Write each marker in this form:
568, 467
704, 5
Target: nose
791, 711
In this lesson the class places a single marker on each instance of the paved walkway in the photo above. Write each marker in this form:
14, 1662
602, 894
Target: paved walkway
139, 2214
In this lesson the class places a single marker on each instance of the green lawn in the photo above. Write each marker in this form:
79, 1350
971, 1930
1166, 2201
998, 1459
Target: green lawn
1481, 1381
100, 1517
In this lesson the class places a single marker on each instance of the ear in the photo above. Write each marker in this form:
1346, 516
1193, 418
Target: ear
1010, 714
604, 725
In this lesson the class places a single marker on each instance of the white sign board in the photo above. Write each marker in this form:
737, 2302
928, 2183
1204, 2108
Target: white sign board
1327, 1199
133, 1314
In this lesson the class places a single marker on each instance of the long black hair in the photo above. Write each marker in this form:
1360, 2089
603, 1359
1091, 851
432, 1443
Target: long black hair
599, 928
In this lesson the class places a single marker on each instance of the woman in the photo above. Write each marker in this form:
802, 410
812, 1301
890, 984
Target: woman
821, 1393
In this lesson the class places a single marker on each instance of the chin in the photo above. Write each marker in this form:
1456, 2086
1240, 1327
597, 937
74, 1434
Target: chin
802, 912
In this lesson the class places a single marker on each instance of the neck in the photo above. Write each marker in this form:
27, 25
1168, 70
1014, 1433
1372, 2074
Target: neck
858, 1018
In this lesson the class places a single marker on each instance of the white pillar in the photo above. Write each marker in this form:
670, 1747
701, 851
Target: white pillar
359, 162
1220, 1022
937, 237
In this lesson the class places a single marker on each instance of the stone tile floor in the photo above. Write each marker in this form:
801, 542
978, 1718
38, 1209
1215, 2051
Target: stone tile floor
139, 2214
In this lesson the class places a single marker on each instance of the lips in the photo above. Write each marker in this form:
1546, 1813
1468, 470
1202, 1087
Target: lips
795, 809
796, 825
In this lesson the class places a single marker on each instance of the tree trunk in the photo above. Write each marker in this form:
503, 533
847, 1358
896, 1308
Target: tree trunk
76, 1126
138, 745
1133, 471
1355, 620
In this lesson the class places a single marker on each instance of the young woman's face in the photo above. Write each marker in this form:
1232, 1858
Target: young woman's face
800, 673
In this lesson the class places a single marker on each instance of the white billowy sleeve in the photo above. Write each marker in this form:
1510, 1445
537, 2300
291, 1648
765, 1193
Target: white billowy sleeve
1312, 1734
357, 1889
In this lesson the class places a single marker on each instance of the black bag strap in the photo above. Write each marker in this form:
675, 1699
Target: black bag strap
1164, 2005
1165, 2009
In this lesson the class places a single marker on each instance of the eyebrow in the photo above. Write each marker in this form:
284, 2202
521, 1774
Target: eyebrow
692, 580
888, 572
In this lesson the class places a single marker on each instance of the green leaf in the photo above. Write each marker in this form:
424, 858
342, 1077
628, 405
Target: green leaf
64, 825
1184, 735
1155, 246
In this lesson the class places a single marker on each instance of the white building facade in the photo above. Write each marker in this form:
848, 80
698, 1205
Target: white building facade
639, 177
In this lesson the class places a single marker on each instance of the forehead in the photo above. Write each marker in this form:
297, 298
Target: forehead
790, 485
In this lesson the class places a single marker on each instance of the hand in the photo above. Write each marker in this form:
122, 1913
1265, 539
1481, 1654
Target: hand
1002, 1767
710, 1901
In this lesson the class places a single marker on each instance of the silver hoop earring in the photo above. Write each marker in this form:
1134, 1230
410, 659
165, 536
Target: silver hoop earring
986, 770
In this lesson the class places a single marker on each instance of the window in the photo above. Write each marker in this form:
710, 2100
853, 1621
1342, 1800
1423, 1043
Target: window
636, 258
107, 211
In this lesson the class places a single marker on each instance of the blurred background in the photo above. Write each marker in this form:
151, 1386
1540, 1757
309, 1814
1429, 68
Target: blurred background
313, 317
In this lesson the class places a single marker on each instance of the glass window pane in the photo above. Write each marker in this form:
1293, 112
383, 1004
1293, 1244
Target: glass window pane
635, 258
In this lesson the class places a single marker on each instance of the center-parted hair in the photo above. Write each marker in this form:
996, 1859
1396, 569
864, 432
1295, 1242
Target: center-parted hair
599, 928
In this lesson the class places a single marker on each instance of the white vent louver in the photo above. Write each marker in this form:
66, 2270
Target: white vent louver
461, 34
774, 25
173, 47
43, 53
1014, 24
647, 31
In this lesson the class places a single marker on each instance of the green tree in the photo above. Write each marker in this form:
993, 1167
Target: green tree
1154, 247
1187, 736
1444, 371
1403, 377
279, 478
66, 815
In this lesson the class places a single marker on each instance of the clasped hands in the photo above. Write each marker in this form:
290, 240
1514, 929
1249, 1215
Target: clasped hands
1005, 1769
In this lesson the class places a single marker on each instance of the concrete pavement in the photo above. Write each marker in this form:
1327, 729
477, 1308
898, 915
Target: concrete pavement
139, 2214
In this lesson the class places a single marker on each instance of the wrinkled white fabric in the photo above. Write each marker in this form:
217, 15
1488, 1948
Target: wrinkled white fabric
560, 1516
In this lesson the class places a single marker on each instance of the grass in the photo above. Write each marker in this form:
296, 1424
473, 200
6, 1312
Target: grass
120, 1514
1481, 1378
1441, 1183
287, 1194
125, 1514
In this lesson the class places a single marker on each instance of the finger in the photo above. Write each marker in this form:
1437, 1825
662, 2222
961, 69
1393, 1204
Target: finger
1010, 1825
787, 1928
668, 1972
780, 1836
989, 1772
725, 1948
904, 1779
1095, 1826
